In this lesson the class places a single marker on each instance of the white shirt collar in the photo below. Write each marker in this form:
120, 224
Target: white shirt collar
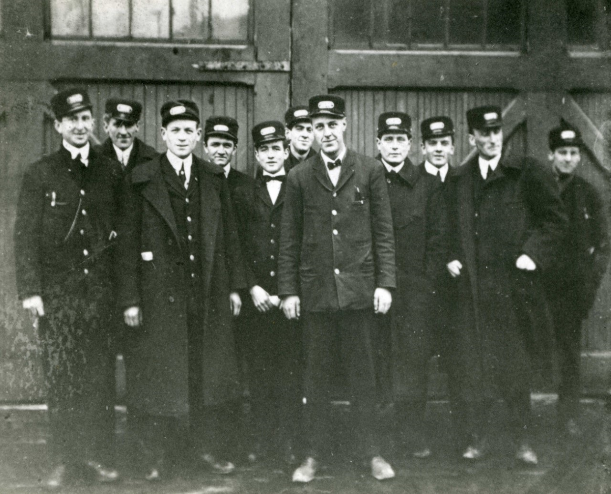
83, 152
484, 164
177, 163
123, 154
227, 169
281, 172
328, 160
393, 168
434, 170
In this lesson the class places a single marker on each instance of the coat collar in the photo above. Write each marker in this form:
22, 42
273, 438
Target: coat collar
347, 170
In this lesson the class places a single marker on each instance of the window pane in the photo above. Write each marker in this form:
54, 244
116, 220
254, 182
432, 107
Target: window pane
190, 19
151, 19
351, 21
428, 24
230, 19
581, 22
392, 21
466, 21
70, 17
504, 22
110, 18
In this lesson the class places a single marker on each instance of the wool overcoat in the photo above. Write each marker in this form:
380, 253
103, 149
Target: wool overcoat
337, 242
141, 153
502, 317
152, 275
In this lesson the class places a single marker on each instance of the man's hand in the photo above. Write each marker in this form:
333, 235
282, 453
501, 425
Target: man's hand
235, 303
291, 306
525, 263
34, 305
382, 299
261, 299
454, 268
132, 317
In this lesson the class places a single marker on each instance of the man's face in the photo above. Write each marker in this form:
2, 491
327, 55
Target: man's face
301, 136
489, 142
437, 150
565, 159
271, 156
220, 150
394, 148
76, 127
181, 136
121, 132
329, 134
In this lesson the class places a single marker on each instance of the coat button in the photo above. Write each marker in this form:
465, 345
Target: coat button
272, 241
86, 271
272, 273
82, 192
189, 219
192, 275
272, 225
334, 194
272, 257
190, 237
171, 299
334, 212
335, 232
82, 232
336, 271
84, 213
85, 252
187, 200
192, 257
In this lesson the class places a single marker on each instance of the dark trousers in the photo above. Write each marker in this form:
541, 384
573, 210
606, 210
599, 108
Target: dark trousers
352, 330
567, 329
275, 367
79, 369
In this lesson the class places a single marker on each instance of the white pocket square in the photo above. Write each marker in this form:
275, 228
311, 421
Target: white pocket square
147, 256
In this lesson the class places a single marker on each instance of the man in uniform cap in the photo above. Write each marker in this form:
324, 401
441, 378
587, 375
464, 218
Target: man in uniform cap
221, 145
64, 241
572, 283
121, 123
336, 270
300, 135
273, 342
420, 226
508, 223
179, 269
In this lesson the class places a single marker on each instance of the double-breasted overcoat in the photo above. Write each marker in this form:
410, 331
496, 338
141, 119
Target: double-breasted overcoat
157, 281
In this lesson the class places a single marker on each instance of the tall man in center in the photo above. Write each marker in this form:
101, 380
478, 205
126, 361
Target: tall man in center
337, 269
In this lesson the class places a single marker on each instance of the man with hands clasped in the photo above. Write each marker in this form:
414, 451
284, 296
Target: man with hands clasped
508, 222
335, 271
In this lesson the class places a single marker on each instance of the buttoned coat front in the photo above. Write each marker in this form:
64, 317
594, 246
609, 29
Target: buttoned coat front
502, 317
157, 282
337, 242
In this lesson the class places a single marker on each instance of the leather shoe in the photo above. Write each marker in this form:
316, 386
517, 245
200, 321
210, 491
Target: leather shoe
381, 469
422, 454
57, 478
217, 466
526, 455
476, 449
306, 471
102, 473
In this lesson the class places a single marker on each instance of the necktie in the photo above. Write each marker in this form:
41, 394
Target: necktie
269, 178
124, 160
486, 171
334, 164
183, 176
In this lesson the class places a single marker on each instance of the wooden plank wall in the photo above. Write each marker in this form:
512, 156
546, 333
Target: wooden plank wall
364, 105
232, 100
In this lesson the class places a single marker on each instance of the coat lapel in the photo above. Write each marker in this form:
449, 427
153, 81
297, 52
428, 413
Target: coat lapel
347, 170
156, 192
262, 192
210, 212
320, 172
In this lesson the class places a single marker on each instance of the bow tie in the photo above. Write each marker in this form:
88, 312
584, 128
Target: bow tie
269, 178
334, 164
